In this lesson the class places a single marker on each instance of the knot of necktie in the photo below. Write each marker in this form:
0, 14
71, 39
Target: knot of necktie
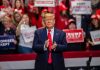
49, 30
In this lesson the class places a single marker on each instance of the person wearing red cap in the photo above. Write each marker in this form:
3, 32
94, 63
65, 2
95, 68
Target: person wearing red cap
71, 24
74, 46
32, 12
61, 20
62, 7
94, 25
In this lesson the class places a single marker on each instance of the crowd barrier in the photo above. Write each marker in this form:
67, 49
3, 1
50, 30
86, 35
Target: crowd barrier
26, 61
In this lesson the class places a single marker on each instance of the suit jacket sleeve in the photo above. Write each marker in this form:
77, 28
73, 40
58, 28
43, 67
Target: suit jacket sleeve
62, 44
38, 46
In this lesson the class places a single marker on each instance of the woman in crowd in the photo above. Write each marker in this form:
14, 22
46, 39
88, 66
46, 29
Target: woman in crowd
16, 18
8, 31
94, 25
6, 8
74, 46
8, 26
18, 6
32, 12
61, 16
24, 25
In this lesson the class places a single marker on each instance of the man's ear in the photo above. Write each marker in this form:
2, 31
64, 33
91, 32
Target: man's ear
43, 20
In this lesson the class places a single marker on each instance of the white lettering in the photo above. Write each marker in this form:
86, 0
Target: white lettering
73, 35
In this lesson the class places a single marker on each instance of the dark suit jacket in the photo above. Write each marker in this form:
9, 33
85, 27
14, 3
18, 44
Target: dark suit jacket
42, 55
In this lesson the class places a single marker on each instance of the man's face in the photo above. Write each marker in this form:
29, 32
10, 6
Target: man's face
49, 20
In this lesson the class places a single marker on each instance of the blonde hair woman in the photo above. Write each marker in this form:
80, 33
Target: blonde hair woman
8, 31
25, 32
8, 25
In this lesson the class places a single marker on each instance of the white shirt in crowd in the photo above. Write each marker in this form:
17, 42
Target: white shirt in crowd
22, 42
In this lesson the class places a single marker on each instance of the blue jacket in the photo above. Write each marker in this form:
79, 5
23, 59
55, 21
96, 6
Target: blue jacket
57, 54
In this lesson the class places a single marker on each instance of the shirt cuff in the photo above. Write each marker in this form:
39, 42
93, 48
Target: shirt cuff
45, 49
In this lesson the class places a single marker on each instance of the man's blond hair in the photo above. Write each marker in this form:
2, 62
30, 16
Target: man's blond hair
49, 14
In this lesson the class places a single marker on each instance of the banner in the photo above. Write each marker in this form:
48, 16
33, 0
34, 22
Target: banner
74, 36
7, 42
95, 35
28, 34
81, 7
44, 3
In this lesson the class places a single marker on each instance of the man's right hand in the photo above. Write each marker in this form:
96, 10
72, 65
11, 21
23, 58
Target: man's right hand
46, 43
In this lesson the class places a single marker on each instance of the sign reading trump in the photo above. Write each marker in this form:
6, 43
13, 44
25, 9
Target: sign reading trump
74, 36
81, 7
95, 35
7, 42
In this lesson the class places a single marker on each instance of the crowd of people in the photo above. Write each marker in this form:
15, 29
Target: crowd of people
18, 16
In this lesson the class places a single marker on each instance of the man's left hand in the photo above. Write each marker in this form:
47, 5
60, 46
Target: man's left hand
54, 45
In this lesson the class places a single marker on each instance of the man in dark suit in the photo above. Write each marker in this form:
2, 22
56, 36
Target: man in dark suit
49, 43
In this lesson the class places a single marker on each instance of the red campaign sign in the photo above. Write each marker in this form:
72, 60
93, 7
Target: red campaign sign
74, 36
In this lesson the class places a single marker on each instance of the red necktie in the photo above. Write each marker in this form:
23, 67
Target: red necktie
50, 47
